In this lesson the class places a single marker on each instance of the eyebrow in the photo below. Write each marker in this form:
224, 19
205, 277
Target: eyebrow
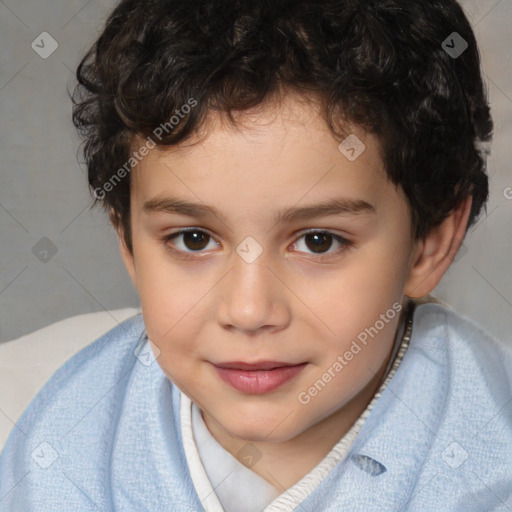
335, 206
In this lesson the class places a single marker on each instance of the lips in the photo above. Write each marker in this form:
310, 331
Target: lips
257, 378
261, 365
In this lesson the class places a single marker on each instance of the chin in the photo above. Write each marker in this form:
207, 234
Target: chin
260, 428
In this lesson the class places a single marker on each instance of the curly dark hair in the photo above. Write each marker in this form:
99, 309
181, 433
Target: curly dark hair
383, 65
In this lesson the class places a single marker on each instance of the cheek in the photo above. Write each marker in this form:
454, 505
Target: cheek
171, 300
378, 272
366, 285
361, 304
349, 361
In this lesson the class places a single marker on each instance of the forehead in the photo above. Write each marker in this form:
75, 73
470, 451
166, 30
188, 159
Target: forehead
277, 153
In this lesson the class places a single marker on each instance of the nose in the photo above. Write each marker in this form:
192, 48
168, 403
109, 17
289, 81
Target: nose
253, 298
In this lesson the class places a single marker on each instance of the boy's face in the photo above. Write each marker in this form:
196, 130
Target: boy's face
211, 297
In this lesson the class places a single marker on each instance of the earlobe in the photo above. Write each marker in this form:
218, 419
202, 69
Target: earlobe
436, 252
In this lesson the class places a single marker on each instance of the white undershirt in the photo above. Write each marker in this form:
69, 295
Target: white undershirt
226, 485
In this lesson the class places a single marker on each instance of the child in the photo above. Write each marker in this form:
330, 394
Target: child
289, 181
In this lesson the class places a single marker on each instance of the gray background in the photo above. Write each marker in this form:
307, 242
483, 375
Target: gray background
44, 193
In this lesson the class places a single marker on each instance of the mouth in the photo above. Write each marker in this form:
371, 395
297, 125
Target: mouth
257, 378
260, 365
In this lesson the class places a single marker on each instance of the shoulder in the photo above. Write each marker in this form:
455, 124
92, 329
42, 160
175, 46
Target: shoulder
89, 385
95, 365
470, 387
442, 427
464, 345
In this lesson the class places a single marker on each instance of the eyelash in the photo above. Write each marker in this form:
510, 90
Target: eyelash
345, 244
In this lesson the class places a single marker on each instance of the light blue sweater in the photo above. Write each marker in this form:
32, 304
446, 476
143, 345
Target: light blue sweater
104, 433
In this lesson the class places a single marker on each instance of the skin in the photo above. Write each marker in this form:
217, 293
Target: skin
286, 305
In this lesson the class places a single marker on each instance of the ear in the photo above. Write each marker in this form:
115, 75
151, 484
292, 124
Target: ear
434, 254
126, 255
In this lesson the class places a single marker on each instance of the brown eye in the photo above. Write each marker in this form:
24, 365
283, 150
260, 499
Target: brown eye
319, 242
193, 240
